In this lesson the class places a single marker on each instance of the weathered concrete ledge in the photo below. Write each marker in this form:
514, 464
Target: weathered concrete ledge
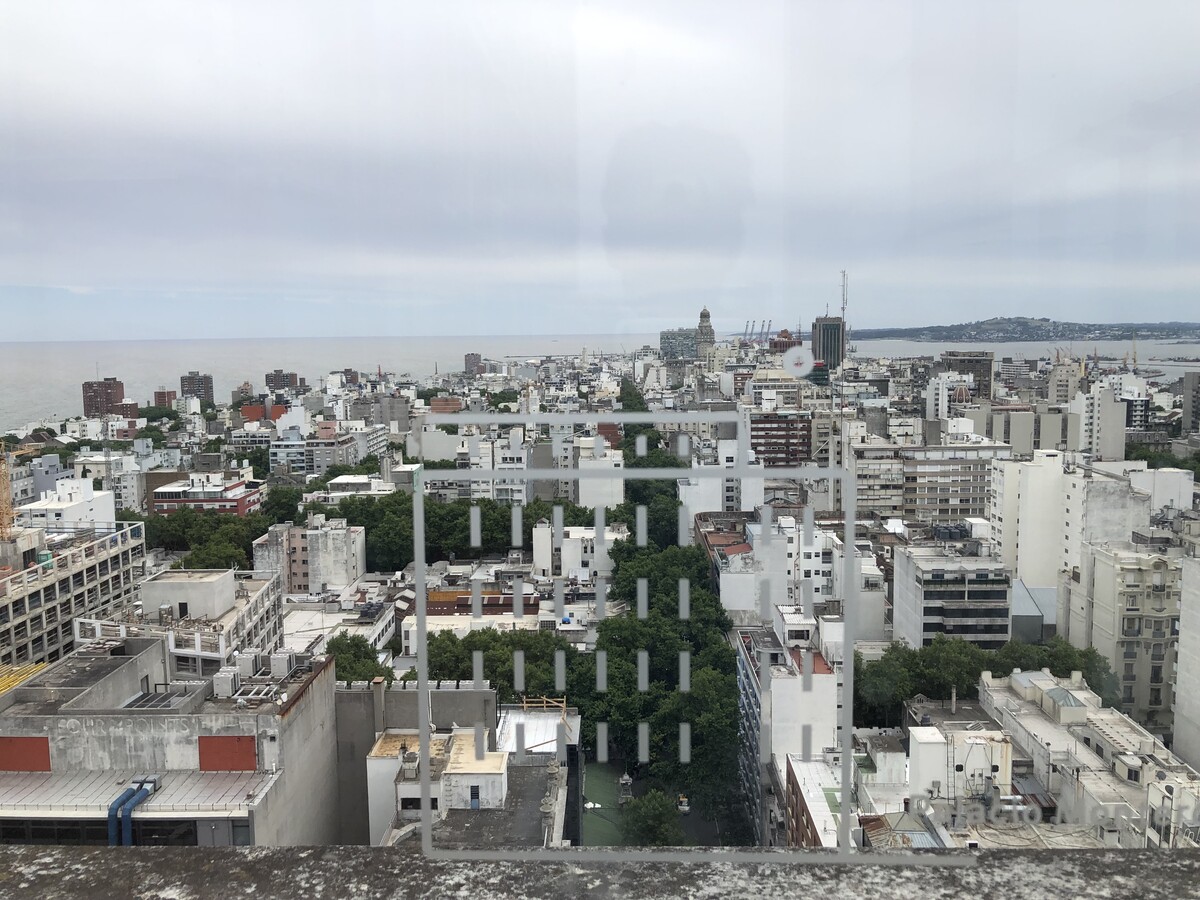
360, 872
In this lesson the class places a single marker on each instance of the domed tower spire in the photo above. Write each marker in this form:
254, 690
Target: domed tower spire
705, 336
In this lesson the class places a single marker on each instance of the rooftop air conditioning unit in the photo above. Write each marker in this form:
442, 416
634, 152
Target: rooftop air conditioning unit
249, 663
226, 682
283, 664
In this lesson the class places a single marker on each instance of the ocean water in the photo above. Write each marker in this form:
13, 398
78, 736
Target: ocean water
43, 379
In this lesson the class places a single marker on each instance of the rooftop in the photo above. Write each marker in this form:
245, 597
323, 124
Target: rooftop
517, 825
464, 761
189, 575
81, 794
540, 729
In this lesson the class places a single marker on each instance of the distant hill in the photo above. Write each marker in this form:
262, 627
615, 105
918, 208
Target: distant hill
1026, 329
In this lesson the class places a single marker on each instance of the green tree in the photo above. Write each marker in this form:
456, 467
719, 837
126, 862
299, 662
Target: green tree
354, 659
219, 554
498, 398
157, 413
882, 687
260, 459
651, 821
282, 504
153, 433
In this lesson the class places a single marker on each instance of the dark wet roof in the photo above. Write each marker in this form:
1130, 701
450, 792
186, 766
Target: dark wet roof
519, 824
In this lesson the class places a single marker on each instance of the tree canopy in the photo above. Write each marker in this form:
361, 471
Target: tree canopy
355, 660
882, 686
651, 821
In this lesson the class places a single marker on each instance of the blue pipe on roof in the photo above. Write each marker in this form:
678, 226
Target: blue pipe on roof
127, 816
114, 837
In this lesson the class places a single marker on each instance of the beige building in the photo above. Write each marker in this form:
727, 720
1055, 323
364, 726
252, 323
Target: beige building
1125, 602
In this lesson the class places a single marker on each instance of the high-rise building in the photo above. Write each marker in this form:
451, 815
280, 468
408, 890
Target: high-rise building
1101, 422
280, 380
1187, 665
978, 363
705, 336
1191, 402
164, 398
473, 364
829, 340
193, 384
100, 398
677, 343
1043, 510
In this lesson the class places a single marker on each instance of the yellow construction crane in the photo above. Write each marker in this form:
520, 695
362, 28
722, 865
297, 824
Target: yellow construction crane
6, 497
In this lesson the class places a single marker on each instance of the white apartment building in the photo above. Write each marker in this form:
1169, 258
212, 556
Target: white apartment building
1064, 381
1101, 422
960, 589
709, 493
1170, 489
1125, 602
508, 454
49, 578
74, 503
1044, 509
772, 389
313, 558
788, 699
314, 455
592, 455
578, 554
206, 616
370, 487
944, 389
871, 619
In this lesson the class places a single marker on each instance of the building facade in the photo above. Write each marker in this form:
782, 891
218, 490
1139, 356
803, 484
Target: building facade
829, 340
101, 398
207, 492
59, 576
979, 364
677, 343
280, 380
1044, 509
960, 590
315, 557
242, 759
194, 384
1125, 602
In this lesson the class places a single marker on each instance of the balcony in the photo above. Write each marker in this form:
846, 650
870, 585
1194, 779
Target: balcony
1131, 632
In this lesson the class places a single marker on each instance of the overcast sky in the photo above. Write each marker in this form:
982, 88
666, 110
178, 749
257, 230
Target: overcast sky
209, 169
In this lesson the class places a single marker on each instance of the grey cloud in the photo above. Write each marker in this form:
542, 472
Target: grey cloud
530, 159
